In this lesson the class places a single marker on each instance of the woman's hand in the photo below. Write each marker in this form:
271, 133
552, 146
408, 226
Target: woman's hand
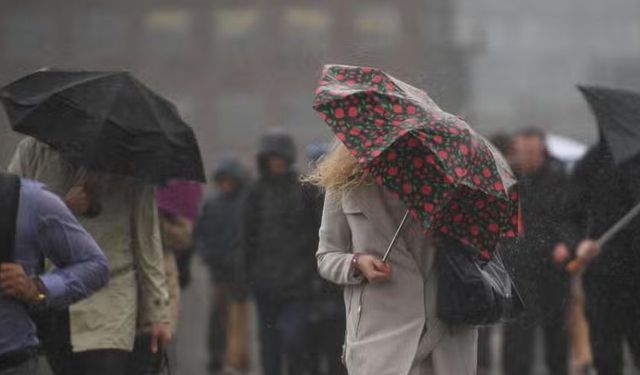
374, 269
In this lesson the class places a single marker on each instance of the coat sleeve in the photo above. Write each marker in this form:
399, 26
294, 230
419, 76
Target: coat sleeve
147, 248
335, 254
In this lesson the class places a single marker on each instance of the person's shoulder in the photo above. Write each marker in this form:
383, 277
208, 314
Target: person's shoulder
40, 198
30, 144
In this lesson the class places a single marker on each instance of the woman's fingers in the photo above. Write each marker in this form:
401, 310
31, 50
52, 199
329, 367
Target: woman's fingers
377, 277
373, 268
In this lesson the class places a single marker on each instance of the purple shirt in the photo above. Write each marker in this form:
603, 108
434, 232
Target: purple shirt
45, 227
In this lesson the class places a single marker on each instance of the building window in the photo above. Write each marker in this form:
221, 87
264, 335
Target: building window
236, 24
306, 33
237, 33
99, 33
25, 34
240, 118
167, 33
377, 26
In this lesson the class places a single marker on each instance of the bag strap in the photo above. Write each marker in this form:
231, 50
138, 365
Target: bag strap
9, 198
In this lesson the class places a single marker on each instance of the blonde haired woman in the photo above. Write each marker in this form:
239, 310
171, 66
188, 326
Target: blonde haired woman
392, 327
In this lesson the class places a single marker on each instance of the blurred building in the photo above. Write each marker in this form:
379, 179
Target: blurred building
529, 55
237, 67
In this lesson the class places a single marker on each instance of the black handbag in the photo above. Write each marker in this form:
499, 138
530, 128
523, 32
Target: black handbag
474, 293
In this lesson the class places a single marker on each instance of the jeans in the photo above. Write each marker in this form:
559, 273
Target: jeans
284, 335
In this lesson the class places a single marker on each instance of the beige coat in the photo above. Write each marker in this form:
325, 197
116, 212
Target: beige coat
128, 232
392, 324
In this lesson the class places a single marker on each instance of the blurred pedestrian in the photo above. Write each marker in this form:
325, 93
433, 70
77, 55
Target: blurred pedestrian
327, 317
34, 224
601, 193
392, 324
502, 141
120, 213
217, 231
278, 242
538, 257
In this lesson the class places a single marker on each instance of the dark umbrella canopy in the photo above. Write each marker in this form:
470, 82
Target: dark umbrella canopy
448, 176
617, 112
105, 121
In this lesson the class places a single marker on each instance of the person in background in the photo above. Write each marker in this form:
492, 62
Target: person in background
502, 142
538, 257
216, 233
327, 318
121, 214
601, 194
279, 233
35, 223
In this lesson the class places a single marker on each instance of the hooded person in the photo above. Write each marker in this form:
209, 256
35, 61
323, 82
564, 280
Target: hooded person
216, 232
279, 236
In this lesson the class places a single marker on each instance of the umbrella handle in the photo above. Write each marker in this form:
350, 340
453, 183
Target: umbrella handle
575, 265
579, 263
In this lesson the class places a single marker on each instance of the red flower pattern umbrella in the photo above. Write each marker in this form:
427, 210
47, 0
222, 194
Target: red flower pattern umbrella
450, 178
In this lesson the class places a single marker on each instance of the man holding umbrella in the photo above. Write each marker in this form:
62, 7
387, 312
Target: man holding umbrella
103, 140
605, 187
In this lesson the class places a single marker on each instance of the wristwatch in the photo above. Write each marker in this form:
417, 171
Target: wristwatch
42, 290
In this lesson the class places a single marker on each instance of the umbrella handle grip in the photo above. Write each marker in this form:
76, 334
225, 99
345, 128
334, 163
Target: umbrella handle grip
575, 265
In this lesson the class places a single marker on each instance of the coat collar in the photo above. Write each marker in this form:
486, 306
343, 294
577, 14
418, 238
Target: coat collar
370, 200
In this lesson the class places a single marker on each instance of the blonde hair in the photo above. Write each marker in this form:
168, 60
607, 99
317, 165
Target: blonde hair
338, 170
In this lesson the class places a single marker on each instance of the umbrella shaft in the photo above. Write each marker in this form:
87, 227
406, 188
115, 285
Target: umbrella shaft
617, 227
395, 236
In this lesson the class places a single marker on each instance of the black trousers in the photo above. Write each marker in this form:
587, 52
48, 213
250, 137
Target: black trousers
217, 335
519, 340
120, 362
614, 316
100, 362
326, 347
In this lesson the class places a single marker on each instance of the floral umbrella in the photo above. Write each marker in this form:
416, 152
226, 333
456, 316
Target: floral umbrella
449, 177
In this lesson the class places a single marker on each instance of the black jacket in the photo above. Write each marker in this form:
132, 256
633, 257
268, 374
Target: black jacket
542, 198
541, 282
280, 224
601, 193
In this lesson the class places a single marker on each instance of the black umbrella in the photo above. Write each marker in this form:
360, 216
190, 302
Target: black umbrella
618, 114
105, 121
